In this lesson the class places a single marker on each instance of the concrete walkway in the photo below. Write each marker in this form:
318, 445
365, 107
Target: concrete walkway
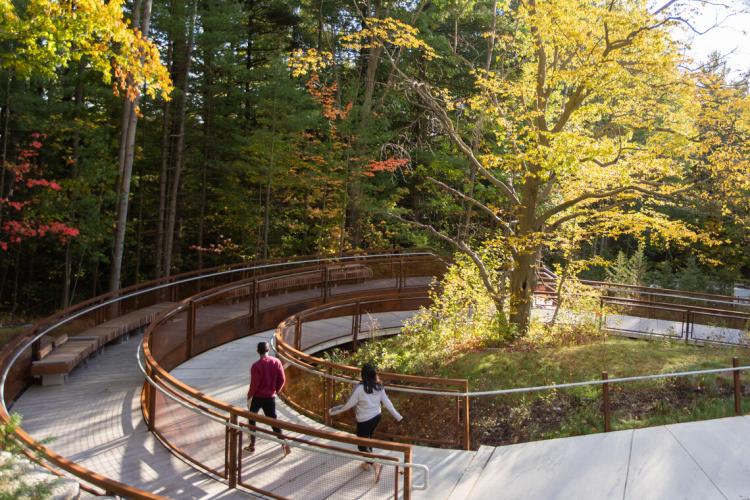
697, 460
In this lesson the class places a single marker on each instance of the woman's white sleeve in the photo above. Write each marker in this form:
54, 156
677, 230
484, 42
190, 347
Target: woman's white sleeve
389, 406
353, 399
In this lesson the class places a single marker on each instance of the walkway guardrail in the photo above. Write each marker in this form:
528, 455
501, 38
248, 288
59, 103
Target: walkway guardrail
254, 304
16, 356
435, 416
219, 305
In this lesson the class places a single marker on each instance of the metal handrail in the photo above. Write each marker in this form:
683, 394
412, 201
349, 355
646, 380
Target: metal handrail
516, 390
81, 472
195, 409
67, 319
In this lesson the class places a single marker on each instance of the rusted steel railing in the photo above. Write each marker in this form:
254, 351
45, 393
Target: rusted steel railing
16, 356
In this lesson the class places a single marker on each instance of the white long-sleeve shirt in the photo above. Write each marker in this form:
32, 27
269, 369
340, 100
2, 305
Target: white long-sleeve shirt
367, 405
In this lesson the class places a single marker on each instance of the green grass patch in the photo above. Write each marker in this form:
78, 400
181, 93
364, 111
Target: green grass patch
567, 412
508, 419
505, 368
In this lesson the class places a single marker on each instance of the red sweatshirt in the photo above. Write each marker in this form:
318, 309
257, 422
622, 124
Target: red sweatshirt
266, 378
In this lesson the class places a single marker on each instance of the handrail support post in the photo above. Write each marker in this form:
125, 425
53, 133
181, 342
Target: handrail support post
605, 397
231, 465
737, 387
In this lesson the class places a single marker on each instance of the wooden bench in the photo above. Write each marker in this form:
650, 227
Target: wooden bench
287, 282
59, 356
65, 356
345, 272
357, 272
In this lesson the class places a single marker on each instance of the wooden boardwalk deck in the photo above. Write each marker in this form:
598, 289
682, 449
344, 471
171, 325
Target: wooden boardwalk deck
95, 419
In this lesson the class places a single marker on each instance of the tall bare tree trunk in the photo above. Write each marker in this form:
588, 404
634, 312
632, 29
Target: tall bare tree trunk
127, 139
491, 39
208, 119
179, 157
77, 106
163, 174
67, 274
269, 180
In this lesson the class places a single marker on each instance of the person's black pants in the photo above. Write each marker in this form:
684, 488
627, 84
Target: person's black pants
366, 429
268, 405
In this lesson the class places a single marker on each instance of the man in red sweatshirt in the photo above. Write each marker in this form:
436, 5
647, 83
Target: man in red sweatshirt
266, 380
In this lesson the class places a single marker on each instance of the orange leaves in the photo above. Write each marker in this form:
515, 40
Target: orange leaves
325, 95
387, 165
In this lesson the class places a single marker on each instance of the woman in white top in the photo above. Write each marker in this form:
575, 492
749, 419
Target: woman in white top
367, 398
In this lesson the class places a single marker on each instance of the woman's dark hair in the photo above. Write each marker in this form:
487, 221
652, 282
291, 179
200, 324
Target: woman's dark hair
370, 378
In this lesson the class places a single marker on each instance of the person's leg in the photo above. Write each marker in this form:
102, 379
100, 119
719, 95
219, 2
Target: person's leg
253, 405
269, 410
366, 429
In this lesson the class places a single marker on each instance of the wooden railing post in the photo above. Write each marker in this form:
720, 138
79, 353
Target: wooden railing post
190, 333
407, 475
355, 326
151, 400
401, 279
687, 325
737, 387
298, 333
251, 306
605, 396
231, 465
467, 419
325, 284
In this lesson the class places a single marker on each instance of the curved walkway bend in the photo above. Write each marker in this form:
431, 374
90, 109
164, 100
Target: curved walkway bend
95, 419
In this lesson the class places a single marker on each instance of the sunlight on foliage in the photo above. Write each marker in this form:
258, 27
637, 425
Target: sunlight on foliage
48, 34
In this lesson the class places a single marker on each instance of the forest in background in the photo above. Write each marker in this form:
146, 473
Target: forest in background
249, 160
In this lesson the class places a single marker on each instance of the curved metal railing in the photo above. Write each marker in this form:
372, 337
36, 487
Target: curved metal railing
259, 297
16, 356
226, 313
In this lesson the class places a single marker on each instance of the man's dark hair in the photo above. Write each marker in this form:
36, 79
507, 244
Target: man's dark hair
263, 347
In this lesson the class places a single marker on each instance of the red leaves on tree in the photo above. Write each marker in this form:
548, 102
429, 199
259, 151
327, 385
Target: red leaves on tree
21, 225
388, 165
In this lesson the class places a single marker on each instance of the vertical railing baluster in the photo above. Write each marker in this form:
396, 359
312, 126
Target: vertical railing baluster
231, 465
605, 397
737, 387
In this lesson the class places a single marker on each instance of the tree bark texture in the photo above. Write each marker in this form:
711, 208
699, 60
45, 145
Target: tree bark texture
127, 154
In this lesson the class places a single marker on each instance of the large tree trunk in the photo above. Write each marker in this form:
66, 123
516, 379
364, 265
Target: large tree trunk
126, 171
522, 284
523, 274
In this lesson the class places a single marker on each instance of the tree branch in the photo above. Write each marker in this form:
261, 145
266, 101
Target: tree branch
463, 247
475, 202
605, 194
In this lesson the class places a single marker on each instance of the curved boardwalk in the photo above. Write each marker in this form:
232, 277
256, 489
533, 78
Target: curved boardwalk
95, 419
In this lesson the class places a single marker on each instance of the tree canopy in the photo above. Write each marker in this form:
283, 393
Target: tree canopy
512, 131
